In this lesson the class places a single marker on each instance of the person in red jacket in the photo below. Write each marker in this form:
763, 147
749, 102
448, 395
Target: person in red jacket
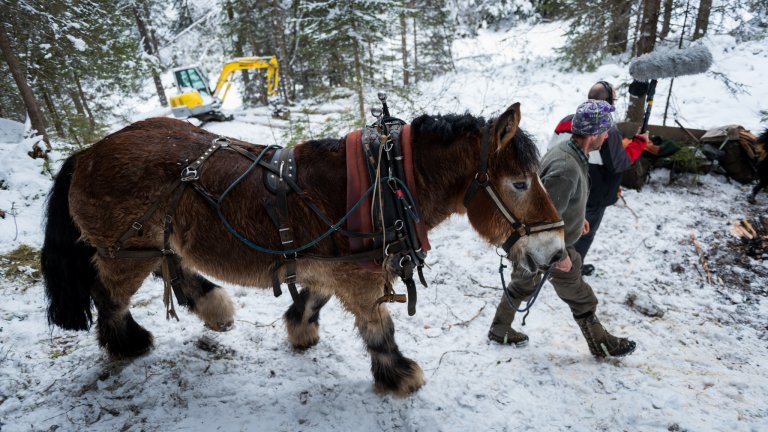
605, 169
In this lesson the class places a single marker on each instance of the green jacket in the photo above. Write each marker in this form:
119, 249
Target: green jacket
565, 174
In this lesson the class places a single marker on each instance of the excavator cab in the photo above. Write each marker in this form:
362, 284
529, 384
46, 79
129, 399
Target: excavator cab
191, 78
196, 99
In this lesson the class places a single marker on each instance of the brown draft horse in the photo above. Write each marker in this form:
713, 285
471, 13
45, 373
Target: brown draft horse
100, 191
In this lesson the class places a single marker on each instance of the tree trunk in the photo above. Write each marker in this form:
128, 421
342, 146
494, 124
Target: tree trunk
702, 19
151, 28
54, 114
415, 55
91, 119
33, 110
645, 44
75, 98
147, 44
618, 33
286, 71
668, 6
358, 75
404, 49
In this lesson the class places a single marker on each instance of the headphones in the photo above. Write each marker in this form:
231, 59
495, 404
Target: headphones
609, 88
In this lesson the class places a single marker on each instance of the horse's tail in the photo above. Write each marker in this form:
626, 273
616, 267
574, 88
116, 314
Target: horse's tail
66, 261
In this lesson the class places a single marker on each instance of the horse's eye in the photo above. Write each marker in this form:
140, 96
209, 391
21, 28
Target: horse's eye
520, 185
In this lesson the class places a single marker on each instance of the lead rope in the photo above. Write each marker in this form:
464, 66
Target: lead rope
529, 303
170, 310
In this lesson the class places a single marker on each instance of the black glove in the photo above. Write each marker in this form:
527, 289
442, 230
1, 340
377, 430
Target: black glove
638, 88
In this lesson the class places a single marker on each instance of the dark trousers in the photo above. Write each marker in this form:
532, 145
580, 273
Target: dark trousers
569, 286
594, 216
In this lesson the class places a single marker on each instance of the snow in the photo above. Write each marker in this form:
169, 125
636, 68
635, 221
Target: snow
78, 43
10, 131
701, 366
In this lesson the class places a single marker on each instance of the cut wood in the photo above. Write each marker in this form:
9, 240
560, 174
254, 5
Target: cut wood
702, 257
749, 228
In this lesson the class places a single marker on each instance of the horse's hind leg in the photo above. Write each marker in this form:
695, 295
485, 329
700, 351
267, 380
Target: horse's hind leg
392, 372
118, 281
208, 301
302, 319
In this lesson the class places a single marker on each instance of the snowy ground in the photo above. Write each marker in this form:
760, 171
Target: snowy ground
702, 366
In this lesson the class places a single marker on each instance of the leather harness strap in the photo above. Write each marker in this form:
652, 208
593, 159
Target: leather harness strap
285, 162
170, 266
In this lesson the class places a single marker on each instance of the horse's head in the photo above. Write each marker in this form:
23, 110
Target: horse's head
507, 203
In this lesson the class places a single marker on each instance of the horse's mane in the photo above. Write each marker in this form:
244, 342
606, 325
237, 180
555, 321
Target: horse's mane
450, 127
327, 144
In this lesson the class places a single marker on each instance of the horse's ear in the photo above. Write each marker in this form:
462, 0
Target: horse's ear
505, 127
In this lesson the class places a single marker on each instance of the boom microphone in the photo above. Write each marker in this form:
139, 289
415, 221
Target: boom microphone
667, 63
670, 63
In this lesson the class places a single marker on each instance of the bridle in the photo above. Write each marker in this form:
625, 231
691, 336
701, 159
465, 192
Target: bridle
483, 180
519, 229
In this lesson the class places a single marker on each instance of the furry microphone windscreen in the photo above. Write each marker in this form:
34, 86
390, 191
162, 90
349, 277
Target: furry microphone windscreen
671, 62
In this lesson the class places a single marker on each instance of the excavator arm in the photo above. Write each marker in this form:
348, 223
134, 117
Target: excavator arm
229, 69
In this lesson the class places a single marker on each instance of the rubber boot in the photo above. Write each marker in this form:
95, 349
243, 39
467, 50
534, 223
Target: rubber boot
501, 327
600, 342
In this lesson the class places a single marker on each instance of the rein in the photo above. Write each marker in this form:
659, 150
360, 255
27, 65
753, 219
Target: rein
482, 181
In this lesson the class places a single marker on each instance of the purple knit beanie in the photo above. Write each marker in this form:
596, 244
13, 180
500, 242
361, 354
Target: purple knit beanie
592, 117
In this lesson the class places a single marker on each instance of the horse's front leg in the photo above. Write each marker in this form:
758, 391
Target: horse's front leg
392, 372
208, 301
302, 319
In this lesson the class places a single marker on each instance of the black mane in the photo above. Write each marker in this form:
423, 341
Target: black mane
451, 127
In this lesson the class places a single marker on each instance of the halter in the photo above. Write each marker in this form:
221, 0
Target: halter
483, 180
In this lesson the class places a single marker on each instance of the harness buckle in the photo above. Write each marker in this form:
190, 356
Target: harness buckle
136, 226
222, 141
168, 251
483, 182
189, 174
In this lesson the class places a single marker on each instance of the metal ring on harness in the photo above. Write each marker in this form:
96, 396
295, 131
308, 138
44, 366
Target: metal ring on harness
477, 178
502, 255
406, 258
399, 225
223, 140
189, 174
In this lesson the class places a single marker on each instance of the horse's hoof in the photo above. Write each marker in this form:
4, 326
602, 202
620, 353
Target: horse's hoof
138, 343
221, 327
402, 381
305, 339
216, 310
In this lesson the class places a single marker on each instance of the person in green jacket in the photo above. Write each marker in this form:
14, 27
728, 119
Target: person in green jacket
565, 174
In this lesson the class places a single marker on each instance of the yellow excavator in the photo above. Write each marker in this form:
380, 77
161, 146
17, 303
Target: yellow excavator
196, 98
